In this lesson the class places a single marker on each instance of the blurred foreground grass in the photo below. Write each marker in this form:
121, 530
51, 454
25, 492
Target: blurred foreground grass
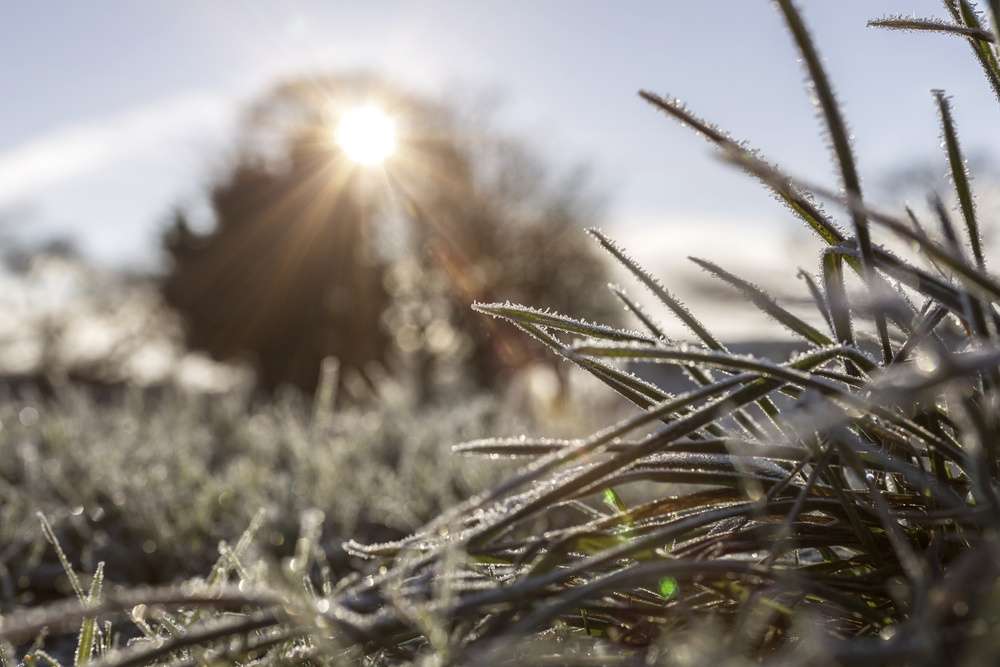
151, 485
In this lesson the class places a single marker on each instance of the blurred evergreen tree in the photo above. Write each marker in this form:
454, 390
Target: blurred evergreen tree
310, 256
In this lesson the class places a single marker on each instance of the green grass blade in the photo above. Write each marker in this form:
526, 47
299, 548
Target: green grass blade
89, 636
836, 296
995, 15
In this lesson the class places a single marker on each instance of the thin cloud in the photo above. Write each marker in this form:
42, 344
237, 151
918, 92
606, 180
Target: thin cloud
75, 150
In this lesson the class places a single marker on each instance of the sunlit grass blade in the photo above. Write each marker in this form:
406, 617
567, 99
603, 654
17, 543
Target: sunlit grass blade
842, 150
979, 281
657, 288
698, 375
550, 320
799, 203
639, 312
589, 447
67, 567
839, 392
639, 391
730, 362
88, 637
960, 177
684, 315
592, 476
522, 446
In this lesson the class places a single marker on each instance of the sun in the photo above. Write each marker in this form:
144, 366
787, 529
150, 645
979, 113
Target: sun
366, 134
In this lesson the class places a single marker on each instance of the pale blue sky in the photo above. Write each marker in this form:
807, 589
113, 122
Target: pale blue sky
115, 110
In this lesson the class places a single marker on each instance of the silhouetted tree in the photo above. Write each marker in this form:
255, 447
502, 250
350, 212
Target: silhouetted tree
310, 256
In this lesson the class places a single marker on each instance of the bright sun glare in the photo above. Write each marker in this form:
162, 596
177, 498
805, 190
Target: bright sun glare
366, 134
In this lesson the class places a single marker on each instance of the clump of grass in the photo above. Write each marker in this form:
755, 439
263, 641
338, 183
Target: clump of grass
854, 521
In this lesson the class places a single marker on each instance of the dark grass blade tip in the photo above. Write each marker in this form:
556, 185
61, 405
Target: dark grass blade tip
930, 25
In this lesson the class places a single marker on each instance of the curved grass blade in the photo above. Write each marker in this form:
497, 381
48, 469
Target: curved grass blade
698, 375
798, 202
674, 304
712, 359
959, 366
654, 285
585, 450
979, 281
929, 25
818, 298
540, 446
639, 312
640, 392
673, 431
766, 303
963, 12
843, 152
528, 315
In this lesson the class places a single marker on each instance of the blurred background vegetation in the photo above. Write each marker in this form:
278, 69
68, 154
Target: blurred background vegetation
308, 256
303, 256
